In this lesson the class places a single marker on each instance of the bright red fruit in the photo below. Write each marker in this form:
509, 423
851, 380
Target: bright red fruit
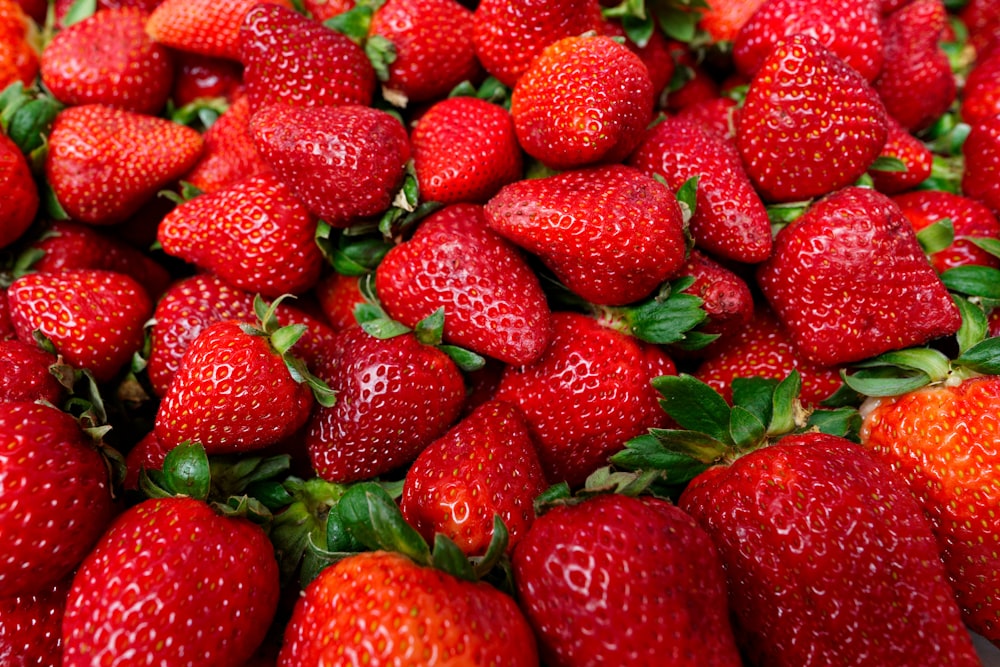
338, 296
726, 296
204, 77
981, 93
969, 219
908, 149
229, 155
25, 374
206, 27
30, 627
981, 176
18, 192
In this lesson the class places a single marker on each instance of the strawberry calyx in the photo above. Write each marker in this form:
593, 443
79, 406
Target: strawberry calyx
490, 90
26, 116
199, 114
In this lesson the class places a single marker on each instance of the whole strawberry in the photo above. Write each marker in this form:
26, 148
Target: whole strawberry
582, 101
627, 580
206, 27
18, 191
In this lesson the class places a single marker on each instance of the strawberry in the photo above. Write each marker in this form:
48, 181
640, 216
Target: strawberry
586, 395
239, 388
611, 234
18, 58
981, 150
109, 59
425, 66
849, 280
254, 234
493, 303
969, 220
507, 35
725, 295
851, 30
654, 51
916, 84
386, 609
18, 191
908, 149
394, 397
56, 498
147, 454
199, 77
484, 466
615, 579
172, 582
93, 318
715, 113
26, 374
338, 296
229, 154
729, 219
65, 10
206, 27
322, 10
291, 59
104, 163
321, 153
982, 19
722, 20
568, 112
693, 83
464, 150
30, 627
803, 100
981, 93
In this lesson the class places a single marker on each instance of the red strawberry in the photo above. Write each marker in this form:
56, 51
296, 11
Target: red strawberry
432, 47
493, 303
722, 20
982, 18
586, 395
63, 8
172, 582
109, 59
254, 234
93, 318
694, 84
729, 219
343, 162
204, 77
394, 397
655, 53
507, 35
803, 100
611, 234
30, 627
56, 498
26, 375
386, 609
726, 296
18, 58
849, 280
338, 296
104, 163
229, 155
908, 149
981, 177
715, 113
147, 454
206, 27
981, 93
583, 100
18, 192
969, 219
485, 466
322, 10
464, 150
291, 59
619, 580
851, 30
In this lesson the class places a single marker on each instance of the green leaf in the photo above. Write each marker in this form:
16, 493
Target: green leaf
467, 360
382, 327
986, 244
694, 405
983, 357
284, 338
665, 321
843, 422
887, 163
937, 236
885, 381
30, 125
694, 444
928, 361
975, 325
355, 23
499, 541
338, 536
647, 452
784, 404
374, 519
677, 23
382, 53
982, 281
430, 329
687, 196
187, 472
745, 429
447, 557
78, 11
754, 394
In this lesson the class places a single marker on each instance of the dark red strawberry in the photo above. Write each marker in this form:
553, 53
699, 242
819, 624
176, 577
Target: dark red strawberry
916, 157
18, 191
338, 296
199, 77
969, 220
30, 627
726, 296
229, 155
322, 10
981, 176
147, 454
26, 374
611, 234
18, 57
207, 27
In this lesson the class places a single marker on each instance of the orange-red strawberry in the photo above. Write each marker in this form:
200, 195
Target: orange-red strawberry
207, 27
109, 59
908, 149
18, 192
981, 175
229, 155
969, 219
104, 163
802, 101
584, 100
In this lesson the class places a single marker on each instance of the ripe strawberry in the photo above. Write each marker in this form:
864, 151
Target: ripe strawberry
916, 83
849, 280
30, 627
981, 93
981, 150
722, 20
26, 375
322, 10
104, 163
18, 192
913, 153
969, 219
507, 35
493, 303
229, 155
611, 234
292, 59
385, 609
206, 27
63, 8
109, 59
203, 77
325, 153
254, 234
394, 397
426, 66
729, 219
93, 318
569, 110
18, 58
172, 582
695, 84
982, 19
147, 454
338, 296
803, 100
56, 497
726, 296
464, 150
716, 113
851, 30
614, 579
655, 52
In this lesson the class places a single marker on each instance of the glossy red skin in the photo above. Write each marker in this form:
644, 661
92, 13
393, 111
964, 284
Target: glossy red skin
623, 580
493, 302
981, 176
655, 54
981, 93
387, 609
18, 191
147, 454
778, 129
63, 6
464, 150
723, 19
942, 440
569, 113
229, 155
18, 58
206, 27
726, 296
338, 296
30, 627
394, 397
611, 234
324, 9
969, 218
717, 114
848, 280
56, 497
291, 59
913, 153
586, 395
176, 583
838, 544
25, 374
982, 18
203, 77
729, 220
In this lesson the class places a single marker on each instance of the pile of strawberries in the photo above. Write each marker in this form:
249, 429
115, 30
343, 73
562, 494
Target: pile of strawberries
510, 332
